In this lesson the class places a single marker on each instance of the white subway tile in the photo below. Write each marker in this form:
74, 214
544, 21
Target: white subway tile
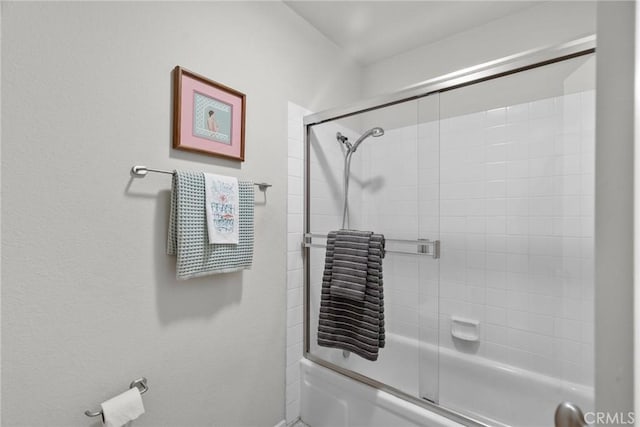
294, 353
542, 166
517, 225
295, 204
294, 223
496, 225
294, 334
495, 170
496, 188
530, 322
295, 186
294, 296
496, 315
496, 242
517, 113
517, 188
294, 260
497, 297
497, 334
518, 300
496, 261
292, 375
499, 353
517, 263
541, 186
567, 184
294, 240
496, 279
476, 224
294, 316
517, 151
541, 147
496, 152
295, 148
295, 167
541, 206
541, 108
475, 242
543, 245
497, 116
292, 411
541, 226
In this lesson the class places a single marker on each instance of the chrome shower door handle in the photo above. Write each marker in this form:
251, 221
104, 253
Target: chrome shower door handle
429, 247
569, 415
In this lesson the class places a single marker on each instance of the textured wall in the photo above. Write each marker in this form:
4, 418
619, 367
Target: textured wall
614, 208
89, 298
547, 23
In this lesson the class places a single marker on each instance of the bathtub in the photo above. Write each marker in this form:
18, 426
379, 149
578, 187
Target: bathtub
492, 393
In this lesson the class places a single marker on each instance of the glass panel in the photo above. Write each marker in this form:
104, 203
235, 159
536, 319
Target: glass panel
429, 229
516, 223
384, 188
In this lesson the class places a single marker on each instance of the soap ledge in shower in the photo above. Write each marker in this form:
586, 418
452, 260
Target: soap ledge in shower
465, 329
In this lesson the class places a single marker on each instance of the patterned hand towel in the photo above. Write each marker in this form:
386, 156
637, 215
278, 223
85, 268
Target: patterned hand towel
356, 326
350, 264
188, 236
223, 208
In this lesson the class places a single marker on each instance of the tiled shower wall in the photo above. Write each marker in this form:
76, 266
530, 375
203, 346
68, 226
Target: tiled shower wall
514, 193
326, 206
516, 223
294, 261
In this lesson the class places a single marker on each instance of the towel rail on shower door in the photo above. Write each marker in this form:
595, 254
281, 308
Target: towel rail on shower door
423, 246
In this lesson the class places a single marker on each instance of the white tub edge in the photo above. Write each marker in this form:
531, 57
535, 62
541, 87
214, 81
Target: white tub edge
352, 397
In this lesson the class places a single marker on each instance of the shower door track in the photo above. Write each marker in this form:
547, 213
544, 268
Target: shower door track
512, 64
467, 76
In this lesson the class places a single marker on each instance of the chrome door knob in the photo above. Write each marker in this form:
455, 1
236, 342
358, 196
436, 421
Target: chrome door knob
569, 415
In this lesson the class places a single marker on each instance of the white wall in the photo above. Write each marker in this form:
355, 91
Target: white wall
614, 201
89, 298
636, 224
545, 24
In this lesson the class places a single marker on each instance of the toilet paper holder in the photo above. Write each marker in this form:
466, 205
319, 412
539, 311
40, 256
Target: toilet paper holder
140, 384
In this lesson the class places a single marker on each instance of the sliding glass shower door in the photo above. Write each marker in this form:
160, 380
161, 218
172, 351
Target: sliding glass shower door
393, 190
516, 222
485, 195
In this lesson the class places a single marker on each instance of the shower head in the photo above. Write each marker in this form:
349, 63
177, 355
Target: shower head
344, 140
375, 132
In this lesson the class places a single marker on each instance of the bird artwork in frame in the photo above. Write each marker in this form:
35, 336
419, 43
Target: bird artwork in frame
209, 117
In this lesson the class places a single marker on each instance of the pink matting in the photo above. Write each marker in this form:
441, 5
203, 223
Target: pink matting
187, 139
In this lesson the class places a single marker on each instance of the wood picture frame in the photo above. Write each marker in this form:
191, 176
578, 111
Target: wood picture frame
208, 117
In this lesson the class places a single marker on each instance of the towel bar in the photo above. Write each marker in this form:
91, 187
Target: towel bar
141, 172
140, 383
423, 246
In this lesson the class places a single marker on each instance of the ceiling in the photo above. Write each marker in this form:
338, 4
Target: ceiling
370, 31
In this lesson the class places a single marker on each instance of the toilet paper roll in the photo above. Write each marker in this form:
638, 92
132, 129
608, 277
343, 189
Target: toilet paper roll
123, 408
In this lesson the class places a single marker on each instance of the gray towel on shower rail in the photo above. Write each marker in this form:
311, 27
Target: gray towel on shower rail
350, 264
356, 326
188, 237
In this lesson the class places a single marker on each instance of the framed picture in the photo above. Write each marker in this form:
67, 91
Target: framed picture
208, 117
